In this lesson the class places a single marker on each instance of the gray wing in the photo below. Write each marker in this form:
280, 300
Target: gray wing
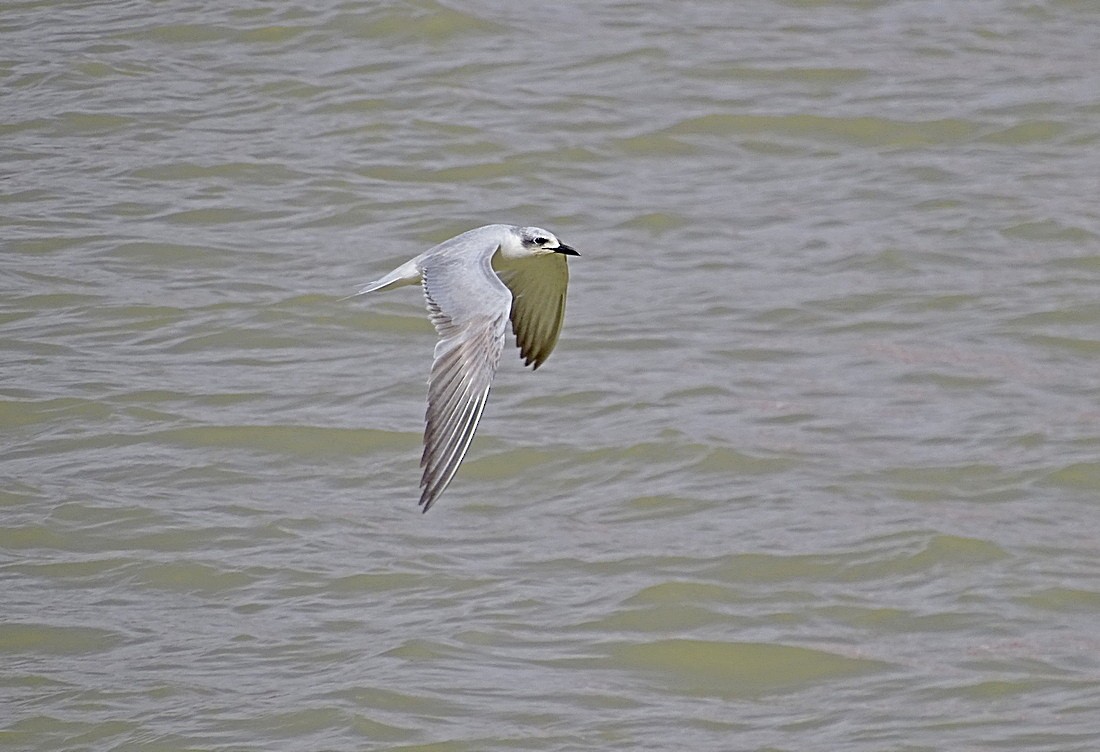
469, 307
538, 288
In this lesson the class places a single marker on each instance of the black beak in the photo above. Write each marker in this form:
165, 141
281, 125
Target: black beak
566, 250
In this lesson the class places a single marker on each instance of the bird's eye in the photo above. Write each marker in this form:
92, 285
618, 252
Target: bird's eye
541, 240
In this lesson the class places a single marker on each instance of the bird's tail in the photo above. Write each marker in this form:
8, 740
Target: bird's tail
406, 274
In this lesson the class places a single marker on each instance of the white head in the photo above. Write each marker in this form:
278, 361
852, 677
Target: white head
525, 242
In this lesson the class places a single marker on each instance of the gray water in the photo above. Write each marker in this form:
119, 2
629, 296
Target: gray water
815, 466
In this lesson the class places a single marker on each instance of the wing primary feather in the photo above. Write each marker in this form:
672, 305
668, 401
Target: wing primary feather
459, 440
442, 427
437, 477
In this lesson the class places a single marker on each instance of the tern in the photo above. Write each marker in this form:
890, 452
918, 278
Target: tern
474, 284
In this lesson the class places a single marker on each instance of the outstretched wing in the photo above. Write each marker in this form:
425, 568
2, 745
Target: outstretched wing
538, 288
469, 307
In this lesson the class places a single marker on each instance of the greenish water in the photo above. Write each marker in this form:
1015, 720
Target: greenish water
816, 464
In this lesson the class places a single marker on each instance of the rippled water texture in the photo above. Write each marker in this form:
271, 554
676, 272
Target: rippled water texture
816, 465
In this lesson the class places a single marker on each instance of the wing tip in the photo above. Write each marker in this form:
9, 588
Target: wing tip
429, 493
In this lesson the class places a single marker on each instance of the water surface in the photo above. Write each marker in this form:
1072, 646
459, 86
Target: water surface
816, 464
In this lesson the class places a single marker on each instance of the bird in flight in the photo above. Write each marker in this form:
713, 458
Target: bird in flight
474, 283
